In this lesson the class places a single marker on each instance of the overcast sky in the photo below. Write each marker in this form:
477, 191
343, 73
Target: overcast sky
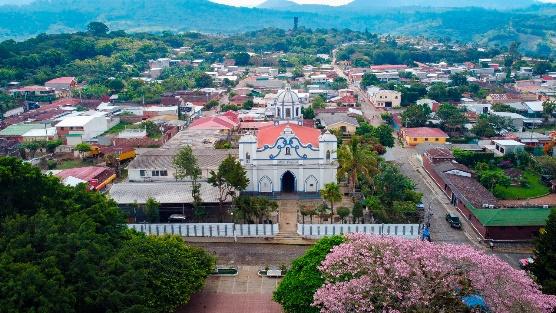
252, 3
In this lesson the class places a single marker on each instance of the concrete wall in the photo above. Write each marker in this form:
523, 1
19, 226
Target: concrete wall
410, 231
208, 229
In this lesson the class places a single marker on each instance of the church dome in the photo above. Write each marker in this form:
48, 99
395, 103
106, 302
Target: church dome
287, 97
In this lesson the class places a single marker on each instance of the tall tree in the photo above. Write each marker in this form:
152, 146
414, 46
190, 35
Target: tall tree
295, 292
369, 79
451, 116
544, 267
152, 210
355, 159
97, 28
186, 166
230, 178
331, 193
67, 249
415, 115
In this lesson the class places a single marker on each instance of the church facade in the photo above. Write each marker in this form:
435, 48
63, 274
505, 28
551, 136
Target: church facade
288, 157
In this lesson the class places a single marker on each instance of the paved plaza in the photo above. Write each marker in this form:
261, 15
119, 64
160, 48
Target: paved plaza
245, 293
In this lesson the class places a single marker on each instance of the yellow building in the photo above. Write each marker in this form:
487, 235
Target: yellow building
418, 135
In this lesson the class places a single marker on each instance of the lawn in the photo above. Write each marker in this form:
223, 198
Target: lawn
534, 189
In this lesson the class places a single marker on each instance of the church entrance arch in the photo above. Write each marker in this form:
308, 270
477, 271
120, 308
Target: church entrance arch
288, 182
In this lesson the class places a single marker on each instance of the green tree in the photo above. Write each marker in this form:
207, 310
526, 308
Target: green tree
548, 107
452, 117
391, 185
541, 68
168, 271
230, 179
97, 28
211, 104
384, 135
356, 159
67, 249
295, 292
415, 115
186, 166
251, 208
319, 102
308, 113
248, 105
369, 79
459, 79
339, 83
544, 267
546, 165
241, 58
116, 85
203, 80
31, 146
491, 178
331, 193
343, 213
152, 210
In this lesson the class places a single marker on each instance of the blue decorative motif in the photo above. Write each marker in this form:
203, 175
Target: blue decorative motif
293, 142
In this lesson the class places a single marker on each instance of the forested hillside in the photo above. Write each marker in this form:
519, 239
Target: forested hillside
535, 25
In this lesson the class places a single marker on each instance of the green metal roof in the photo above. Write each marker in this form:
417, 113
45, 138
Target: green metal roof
512, 217
74, 135
19, 129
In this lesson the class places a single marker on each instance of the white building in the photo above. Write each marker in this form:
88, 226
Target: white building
288, 158
76, 129
287, 104
385, 98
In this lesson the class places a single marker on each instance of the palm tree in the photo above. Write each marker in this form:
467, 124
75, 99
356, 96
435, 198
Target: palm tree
331, 193
355, 158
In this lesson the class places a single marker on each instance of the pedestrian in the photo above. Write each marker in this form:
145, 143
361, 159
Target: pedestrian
426, 234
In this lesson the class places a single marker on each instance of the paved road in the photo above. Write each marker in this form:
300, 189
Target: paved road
370, 113
439, 205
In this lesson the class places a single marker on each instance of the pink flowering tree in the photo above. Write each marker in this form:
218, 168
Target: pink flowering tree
385, 274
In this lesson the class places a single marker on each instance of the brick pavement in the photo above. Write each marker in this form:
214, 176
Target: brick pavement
245, 293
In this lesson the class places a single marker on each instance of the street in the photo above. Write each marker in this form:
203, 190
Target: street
439, 205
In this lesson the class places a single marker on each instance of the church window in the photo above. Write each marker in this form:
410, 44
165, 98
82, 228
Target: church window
328, 155
247, 157
288, 151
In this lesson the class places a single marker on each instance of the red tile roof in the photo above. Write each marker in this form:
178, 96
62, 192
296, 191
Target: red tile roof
268, 135
254, 125
232, 115
213, 122
425, 132
347, 99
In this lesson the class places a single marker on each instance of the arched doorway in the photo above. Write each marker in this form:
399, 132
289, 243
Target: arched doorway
288, 182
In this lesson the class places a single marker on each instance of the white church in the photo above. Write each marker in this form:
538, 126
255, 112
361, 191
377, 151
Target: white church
288, 157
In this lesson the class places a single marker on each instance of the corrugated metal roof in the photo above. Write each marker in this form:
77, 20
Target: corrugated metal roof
19, 129
163, 192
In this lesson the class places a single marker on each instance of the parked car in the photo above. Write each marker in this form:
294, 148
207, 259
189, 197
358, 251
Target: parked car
420, 206
177, 218
453, 220
524, 263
